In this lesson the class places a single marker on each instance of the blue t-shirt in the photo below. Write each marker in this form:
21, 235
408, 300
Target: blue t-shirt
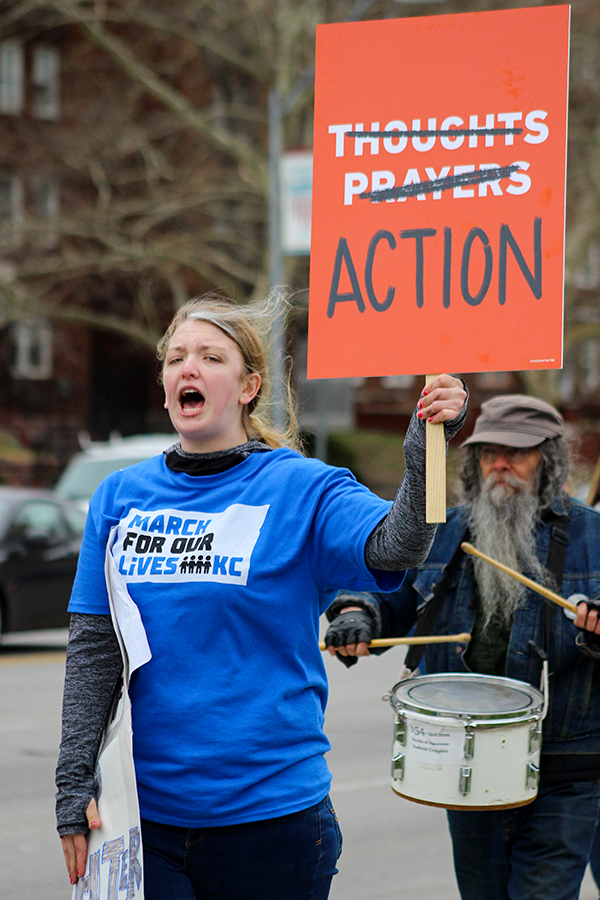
230, 573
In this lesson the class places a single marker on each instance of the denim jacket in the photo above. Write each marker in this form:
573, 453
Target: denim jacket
572, 725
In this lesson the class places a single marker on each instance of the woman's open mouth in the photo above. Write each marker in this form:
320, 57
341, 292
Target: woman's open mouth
191, 400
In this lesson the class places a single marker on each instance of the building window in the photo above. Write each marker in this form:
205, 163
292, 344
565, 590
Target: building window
45, 81
493, 381
46, 207
587, 275
398, 382
12, 71
32, 340
589, 359
11, 210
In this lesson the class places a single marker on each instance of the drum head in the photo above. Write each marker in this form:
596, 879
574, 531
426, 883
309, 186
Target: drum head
466, 695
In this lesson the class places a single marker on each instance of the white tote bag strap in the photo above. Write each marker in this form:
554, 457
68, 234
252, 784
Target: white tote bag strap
114, 862
125, 615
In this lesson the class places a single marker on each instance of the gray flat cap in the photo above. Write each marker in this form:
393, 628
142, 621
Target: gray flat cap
516, 420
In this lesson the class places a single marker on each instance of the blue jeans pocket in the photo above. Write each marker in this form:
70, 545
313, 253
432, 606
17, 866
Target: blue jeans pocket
338, 834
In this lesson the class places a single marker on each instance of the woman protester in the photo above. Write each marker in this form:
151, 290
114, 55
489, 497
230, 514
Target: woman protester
232, 545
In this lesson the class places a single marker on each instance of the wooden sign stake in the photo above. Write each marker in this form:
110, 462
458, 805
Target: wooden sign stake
435, 471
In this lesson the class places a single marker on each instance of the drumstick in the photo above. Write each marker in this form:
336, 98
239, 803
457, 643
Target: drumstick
463, 638
549, 595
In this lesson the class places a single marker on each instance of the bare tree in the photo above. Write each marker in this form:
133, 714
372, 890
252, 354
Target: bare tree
161, 152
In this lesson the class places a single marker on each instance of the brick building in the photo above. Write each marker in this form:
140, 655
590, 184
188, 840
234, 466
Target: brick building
107, 218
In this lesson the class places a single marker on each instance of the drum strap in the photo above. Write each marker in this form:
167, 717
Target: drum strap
559, 540
428, 619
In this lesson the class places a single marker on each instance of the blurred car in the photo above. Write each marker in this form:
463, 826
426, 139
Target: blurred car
87, 469
40, 538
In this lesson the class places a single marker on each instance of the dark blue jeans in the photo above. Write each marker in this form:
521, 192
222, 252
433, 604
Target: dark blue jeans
535, 852
289, 858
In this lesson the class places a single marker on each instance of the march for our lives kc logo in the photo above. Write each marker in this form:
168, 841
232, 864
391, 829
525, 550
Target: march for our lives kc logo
168, 545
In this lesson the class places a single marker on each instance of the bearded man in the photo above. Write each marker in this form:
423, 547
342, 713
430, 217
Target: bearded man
514, 509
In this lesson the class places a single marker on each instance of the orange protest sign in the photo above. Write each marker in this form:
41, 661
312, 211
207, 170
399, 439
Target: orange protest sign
439, 194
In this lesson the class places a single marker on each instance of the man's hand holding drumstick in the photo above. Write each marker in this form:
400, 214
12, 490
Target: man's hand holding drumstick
588, 616
585, 609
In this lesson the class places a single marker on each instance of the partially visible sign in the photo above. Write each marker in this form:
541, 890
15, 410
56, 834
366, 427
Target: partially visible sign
296, 199
439, 194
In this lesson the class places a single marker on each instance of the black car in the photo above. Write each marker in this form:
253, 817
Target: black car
40, 538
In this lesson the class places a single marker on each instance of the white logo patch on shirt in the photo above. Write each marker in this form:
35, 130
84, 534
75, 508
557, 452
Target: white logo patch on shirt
170, 545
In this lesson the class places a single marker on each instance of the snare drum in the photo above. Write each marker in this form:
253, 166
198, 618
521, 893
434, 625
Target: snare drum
466, 741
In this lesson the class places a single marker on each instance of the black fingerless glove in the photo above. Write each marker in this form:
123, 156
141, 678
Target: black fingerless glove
354, 626
588, 637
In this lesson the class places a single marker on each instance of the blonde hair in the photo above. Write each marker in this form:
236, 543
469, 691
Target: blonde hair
248, 326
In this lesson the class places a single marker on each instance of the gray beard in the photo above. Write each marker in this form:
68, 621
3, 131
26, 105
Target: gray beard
503, 526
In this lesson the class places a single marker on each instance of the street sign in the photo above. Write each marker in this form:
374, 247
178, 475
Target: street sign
295, 172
